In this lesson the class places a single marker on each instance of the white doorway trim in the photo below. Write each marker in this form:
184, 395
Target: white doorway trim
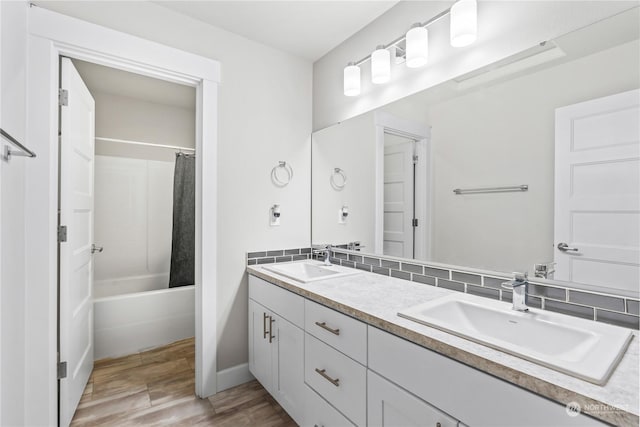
421, 133
50, 36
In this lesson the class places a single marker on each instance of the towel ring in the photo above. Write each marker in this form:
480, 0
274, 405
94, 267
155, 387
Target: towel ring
287, 169
338, 179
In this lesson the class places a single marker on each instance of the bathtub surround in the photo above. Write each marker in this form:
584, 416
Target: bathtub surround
183, 240
601, 307
133, 223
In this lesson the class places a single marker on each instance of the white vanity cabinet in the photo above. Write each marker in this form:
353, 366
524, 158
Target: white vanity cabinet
276, 344
328, 369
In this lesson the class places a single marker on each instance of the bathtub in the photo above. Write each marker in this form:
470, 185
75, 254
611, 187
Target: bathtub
132, 321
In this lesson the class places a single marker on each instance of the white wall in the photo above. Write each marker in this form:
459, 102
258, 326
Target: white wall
349, 146
13, 51
265, 116
504, 28
133, 223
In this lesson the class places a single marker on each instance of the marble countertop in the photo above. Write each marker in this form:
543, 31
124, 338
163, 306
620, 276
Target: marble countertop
376, 300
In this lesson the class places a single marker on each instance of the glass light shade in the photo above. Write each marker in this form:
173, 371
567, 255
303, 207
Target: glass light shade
417, 46
352, 80
464, 23
380, 65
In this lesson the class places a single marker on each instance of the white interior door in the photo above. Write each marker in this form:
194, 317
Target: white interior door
597, 192
398, 239
76, 265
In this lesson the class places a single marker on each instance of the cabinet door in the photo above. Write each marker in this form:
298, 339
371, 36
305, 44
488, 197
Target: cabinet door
260, 354
391, 406
318, 413
288, 367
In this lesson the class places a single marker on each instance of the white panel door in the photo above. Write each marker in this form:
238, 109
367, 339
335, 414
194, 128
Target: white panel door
597, 192
76, 265
398, 197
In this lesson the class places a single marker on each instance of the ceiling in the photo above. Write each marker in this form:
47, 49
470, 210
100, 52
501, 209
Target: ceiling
305, 28
122, 83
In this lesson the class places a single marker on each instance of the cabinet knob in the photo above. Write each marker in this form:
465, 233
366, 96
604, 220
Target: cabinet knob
438, 425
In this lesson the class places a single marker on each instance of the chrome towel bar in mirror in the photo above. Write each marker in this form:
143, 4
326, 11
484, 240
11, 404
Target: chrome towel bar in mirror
491, 189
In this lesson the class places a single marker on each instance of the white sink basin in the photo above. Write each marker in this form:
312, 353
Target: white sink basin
581, 348
310, 272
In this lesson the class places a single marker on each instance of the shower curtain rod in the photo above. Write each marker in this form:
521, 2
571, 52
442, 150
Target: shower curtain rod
126, 141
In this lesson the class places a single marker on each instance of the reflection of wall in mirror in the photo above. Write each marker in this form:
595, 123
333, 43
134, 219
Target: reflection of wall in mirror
504, 135
349, 146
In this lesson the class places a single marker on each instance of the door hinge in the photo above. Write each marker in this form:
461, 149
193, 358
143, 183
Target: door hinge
62, 233
415, 159
63, 97
62, 370
414, 222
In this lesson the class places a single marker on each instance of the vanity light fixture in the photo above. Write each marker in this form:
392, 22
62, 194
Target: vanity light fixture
417, 46
463, 32
351, 79
464, 23
380, 65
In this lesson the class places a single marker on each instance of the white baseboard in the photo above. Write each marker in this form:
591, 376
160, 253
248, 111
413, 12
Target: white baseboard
234, 376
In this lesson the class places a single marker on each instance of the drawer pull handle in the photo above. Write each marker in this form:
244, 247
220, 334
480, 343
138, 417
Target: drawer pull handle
271, 336
322, 372
324, 326
264, 325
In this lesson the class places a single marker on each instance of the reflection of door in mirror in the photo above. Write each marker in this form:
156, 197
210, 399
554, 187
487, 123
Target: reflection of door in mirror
399, 196
597, 197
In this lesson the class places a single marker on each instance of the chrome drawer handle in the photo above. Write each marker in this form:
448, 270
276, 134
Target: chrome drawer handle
264, 325
324, 326
322, 372
271, 336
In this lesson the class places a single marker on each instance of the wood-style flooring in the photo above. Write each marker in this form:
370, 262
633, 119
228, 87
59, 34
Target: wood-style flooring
156, 387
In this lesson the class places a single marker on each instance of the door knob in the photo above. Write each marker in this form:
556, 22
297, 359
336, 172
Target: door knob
95, 248
565, 248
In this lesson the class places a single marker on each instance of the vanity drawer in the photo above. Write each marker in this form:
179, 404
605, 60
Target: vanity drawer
337, 378
341, 332
281, 301
318, 413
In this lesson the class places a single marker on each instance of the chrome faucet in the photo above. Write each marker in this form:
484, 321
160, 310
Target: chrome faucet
519, 285
326, 250
544, 270
327, 255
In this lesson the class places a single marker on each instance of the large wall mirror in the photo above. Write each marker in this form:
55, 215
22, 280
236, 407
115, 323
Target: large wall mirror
495, 169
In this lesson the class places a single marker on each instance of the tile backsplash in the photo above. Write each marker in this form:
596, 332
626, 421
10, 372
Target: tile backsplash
601, 307
278, 255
